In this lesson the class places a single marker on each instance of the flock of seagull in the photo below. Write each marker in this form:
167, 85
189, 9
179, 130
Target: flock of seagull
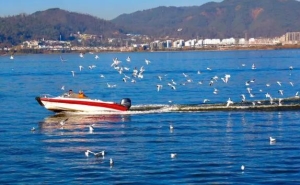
135, 74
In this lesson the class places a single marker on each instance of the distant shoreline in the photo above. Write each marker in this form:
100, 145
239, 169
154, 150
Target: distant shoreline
212, 48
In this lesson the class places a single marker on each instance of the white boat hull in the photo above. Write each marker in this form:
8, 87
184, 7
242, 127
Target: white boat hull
58, 104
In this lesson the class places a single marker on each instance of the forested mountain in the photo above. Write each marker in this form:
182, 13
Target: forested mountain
51, 24
230, 18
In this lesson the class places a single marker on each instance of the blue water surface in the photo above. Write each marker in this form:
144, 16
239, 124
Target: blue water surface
211, 146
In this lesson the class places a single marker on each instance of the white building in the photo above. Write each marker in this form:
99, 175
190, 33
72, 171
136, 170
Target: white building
207, 42
251, 41
242, 41
190, 43
178, 43
199, 42
229, 41
168, 43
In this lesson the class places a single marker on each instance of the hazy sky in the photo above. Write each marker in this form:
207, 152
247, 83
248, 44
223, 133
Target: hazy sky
105, 9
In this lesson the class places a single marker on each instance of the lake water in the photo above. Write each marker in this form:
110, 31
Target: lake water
211, 146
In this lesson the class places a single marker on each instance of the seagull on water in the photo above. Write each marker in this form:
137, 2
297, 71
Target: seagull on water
243, 167
99, 154
33, 129
91, 128
63, 122
128, 59
87, 153
216, 91
96, 57
206, 100
111, 162
272, 140
173, 155
171, 128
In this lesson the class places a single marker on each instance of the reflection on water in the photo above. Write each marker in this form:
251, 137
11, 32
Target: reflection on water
75, 136
79, 122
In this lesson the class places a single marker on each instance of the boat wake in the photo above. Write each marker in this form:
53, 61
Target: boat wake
285, 104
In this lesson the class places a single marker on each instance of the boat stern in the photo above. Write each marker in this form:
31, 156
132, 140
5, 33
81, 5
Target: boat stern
126, 102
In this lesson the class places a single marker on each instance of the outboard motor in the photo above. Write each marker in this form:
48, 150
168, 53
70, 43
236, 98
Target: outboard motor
126, 102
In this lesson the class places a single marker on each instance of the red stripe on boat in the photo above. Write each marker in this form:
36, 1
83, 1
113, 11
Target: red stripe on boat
115, 106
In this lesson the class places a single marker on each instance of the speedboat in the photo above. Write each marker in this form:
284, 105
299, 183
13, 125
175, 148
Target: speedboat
65, 103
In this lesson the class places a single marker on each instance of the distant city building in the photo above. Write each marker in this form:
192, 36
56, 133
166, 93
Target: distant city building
242, 41
178, 43
229, 41
135, 42
292, 37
